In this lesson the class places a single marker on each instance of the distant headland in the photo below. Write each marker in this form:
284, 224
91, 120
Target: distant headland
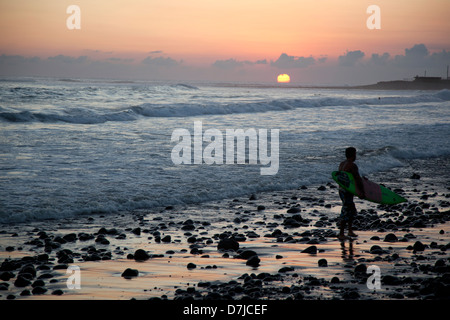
419, 83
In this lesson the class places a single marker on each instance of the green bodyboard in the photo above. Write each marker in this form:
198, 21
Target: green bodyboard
373, 191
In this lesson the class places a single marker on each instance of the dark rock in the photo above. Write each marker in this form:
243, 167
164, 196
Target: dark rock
166, 239
191, 265
294, 210
9, 248
57, 292
351, 295
418, 246
21, 281
390, 238
71, 237
39, 290
228, 244
335, 280
285, 269
4, 286
322, 188
246, 254
6, 275
29, 268
360, 270
252, 197
253, 261
141, 255
390, 280
38, 283
129, 273
136, 231
415, 176
323, 263
310, 250
376, 250
260, 208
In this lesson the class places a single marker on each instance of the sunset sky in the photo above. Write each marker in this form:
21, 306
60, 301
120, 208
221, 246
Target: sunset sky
243, 39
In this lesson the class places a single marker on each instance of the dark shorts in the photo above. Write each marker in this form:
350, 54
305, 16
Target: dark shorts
348, 210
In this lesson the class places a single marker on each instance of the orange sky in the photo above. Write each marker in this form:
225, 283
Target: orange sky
206, 30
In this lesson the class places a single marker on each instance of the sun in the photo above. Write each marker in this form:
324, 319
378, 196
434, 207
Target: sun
283, 78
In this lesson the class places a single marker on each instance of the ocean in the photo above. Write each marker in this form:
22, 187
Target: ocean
70, 147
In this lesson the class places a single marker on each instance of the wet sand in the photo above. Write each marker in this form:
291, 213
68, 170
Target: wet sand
180, 253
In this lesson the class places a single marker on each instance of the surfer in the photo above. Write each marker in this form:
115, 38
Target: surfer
348, 210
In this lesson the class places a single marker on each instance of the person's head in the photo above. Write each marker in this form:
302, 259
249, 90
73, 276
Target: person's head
350, 153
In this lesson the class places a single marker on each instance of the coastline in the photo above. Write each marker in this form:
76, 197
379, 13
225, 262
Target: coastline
182, 259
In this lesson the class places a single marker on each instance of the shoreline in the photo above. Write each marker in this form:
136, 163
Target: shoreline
272, 227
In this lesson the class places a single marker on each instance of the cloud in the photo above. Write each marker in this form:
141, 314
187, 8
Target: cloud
160, 62
289, 62
379, 60
350, 58
155, 52
230, 64
419, 56
66, 59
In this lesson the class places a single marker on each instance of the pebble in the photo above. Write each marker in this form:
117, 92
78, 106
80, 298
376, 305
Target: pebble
310, 250
191, 265
141, 255
129, 273
228, 244
323, 263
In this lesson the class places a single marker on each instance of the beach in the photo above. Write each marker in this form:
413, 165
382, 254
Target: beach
97, 203
268, 246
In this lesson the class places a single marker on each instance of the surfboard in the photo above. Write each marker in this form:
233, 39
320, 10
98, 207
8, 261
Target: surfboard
374, 192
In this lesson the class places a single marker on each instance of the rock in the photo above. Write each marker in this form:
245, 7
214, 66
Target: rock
38, 283
21, 281
129, 273
6, 275
376, 250
252, 197
390, 238
415, 176
294, 210
57, 292
4, 286
360, 269
39, 290
246, 254
323, 263
71, 237
390, 280
9, 249
141, 255
310, 250
322, 188
335, 280
191, 265
419, 246
228, 244
260, 208
136, 231
166, 239
285, 269
253, 261
29, 268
